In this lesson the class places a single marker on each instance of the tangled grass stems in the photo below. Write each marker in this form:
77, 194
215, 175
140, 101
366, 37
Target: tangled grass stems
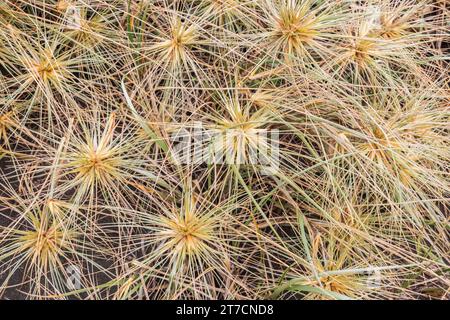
351, 204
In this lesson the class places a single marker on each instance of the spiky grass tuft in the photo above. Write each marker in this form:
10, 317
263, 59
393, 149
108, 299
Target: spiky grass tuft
321, 171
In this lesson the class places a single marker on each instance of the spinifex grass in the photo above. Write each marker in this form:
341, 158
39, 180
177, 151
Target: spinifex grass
184, 245
42, 243
352, 203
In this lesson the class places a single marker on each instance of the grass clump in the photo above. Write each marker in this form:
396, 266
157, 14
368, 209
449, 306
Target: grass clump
315, 148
